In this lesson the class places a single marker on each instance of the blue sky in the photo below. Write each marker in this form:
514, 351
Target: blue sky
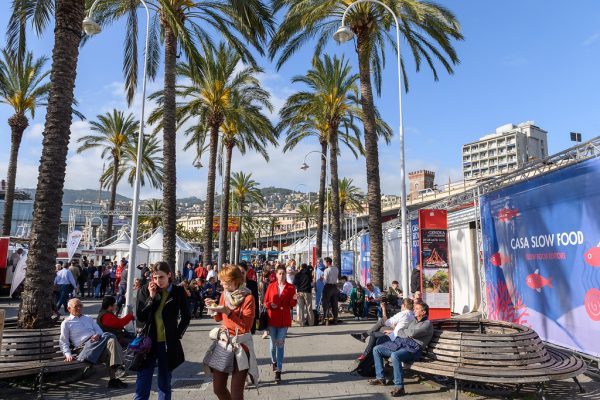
521, 60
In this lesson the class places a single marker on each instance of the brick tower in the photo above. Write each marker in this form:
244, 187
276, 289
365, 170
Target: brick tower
420, 180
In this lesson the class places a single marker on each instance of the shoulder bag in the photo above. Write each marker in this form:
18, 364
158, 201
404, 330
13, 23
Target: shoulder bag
219, 355
138, 350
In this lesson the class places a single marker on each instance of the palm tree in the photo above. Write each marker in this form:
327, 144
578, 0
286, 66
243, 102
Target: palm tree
154, 220
176, 22
36, 305
427, 28
245, 127
211, 98
152, 169
273, 223
301, 127
114, 131
22, 87
350, 197
331, 93
244, 190
306, 213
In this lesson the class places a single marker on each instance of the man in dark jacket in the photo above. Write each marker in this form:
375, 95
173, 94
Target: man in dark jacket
303, 282
408, 346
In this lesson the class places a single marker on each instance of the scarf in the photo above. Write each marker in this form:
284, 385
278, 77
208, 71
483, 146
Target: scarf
235, 298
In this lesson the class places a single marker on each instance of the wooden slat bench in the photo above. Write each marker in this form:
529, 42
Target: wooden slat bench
26, 352
496, 353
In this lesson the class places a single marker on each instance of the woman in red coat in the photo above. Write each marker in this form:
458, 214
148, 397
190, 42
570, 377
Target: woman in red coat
279, 300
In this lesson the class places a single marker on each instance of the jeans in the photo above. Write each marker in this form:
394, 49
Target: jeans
318, 294
397, 357
276, 345
143, 383
97, 290
63, 296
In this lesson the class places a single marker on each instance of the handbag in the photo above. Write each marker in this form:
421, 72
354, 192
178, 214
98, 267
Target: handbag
219, 355
138, 350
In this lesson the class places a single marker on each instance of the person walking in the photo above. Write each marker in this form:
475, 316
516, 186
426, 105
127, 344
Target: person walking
160, 305
279, 300
65, 282
303, 283
236, 313
330, 291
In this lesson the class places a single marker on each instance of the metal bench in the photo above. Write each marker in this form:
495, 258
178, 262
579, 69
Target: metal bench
494, 353
26, 352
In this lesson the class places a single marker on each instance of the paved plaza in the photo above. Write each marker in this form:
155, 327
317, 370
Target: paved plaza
317, 364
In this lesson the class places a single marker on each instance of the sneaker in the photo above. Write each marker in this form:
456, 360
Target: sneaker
358, 336
277, 376
398, 392
116, 384
376, 382
356, 319
361, 358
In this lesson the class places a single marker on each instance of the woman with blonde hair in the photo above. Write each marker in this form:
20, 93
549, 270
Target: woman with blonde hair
236, 312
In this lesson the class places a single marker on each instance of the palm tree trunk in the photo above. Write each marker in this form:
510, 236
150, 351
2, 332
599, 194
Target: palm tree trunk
169, 150
321, 200
113, 196
18, 123
335, 199
224, 224
36, 304
371, 157
210, 194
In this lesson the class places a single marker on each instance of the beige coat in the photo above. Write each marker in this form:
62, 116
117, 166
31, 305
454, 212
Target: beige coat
243, 362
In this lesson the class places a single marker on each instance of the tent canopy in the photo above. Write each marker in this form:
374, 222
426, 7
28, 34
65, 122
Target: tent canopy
183, 250
120, 248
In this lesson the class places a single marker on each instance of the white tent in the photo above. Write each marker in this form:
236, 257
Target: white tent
120, 249
183, 251
303, 247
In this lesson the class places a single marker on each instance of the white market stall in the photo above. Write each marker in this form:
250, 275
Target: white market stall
183, 250
120, 249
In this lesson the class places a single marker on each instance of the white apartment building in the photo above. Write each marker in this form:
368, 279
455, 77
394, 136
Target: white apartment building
508, 148
190, 223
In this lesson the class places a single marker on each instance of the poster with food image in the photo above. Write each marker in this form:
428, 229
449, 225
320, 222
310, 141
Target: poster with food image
436, 286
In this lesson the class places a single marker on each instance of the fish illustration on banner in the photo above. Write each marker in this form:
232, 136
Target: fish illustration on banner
498, 259
537, 282
592, 257
507, 214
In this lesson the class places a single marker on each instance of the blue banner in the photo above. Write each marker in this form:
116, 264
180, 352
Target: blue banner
414, 241
347, 263
365, 259
541, 255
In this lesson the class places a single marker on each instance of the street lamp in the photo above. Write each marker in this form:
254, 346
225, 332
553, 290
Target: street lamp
304, 167
91, 27
343, 34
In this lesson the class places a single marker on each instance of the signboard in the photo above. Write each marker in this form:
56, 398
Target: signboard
347, 263
365, 259
233, 224
541, 255
435, 274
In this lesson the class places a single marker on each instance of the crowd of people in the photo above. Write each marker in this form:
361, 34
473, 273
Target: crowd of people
270, 296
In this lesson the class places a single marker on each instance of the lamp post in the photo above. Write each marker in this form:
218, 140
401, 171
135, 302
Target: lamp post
344, 34
304, 167
91, 27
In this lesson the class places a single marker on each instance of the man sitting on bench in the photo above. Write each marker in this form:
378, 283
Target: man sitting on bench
386, 326
372, 299
91, 344
407, 346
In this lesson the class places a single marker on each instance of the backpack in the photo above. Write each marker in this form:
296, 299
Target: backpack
366, 367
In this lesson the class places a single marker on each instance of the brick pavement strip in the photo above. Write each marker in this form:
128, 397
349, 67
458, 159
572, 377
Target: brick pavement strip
317, 361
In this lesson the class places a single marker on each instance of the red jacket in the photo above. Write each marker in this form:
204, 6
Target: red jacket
201, 272
281, 316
